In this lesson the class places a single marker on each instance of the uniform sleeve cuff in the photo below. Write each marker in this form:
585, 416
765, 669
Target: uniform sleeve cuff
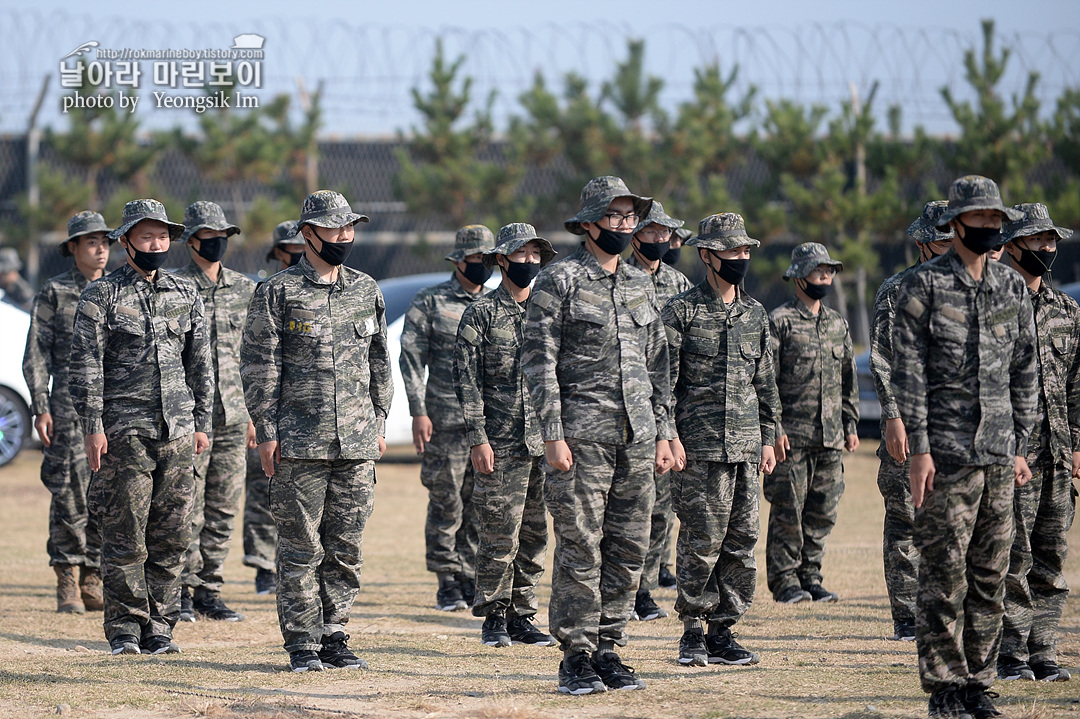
40, 404
851, 428
265, 433
93, 425
1022, 446
553, 431
889, 410
768, 436
204, 423
380, 426
919, 442
477, 436
417, 409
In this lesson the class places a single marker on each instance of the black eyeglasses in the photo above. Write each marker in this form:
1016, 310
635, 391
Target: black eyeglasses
617, 219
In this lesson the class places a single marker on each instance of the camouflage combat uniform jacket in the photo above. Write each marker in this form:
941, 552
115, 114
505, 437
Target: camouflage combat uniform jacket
815, 375
140, 357
315, 365
667, 280
48, 345
1056, 433
427, 340
726, 403
489, 381
595, 356
881, 348
225, 303
949, 376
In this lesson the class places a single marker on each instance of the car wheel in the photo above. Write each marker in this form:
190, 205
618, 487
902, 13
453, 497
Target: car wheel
14, 425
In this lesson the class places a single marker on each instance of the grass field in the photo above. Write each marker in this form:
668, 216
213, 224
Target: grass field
816, 661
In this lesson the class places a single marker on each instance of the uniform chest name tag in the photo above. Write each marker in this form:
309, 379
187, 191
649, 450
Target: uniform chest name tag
305, 327
130, 312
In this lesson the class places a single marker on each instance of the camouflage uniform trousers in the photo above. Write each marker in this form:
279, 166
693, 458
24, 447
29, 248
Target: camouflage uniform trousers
74, 536
1035, 587
898, 551
717, 506
963, 531
803, 491
143, 497
450, 531
219, 484
511, 525
601, 509
659, 534
260, 532
320, 507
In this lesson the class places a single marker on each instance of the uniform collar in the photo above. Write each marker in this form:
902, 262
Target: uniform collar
714, 303
804, 311
203, 281
460, 290
504, 298
990, 279
309, 272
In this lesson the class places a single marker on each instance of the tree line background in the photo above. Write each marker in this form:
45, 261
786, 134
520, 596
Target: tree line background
843, 175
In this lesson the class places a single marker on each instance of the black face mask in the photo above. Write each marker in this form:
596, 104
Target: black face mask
981, 240
333, 253
611, 242
476, 272
671, 257
147, 261
653, 251
522, 273
294, 257
731, 271
815, 291
212, 249
1036, 262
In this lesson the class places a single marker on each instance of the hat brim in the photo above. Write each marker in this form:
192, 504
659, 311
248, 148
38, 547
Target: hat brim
596, 211
801, 270
978, 204
720, 244
65, 251
547, 252
225, 227
1035, 229
922, 231
340, 219
270, 255
175, 228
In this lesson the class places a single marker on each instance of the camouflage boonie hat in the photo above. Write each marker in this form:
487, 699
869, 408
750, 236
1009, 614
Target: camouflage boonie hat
657, 216
146, 209
286, 233
683, 233
469, 240
597, 195
1036, 219
725, 231
807, 256
513, 237
925, 227
84, 223
9, 260
975, 192
206, 215
326, 208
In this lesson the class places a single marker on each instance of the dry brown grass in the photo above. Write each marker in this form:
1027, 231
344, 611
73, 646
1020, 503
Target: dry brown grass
817, 661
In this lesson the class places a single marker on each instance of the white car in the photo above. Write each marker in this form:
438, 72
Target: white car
398, 293
16, 425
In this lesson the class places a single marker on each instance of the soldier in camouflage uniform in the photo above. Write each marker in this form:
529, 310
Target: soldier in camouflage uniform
219, 471
1035, 587
596, 363
900, 556
726, 411
74, 539
504, 433
260, 532
964, 377
317, 382
17, 291
142, 382
439, 435
652, 239
819, 399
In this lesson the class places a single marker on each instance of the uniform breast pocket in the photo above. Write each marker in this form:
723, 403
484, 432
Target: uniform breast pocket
699, 353
178, 327
751, 354
591, 325
301, 338
948, 330
363, 330
501, 356
1063, 346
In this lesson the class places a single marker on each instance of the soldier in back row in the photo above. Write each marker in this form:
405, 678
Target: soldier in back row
74, 538
900, 556
1035, 587
652, 240
504, 433
726, 411
427, 341
142, 382
964, 377
220, 470
819, 397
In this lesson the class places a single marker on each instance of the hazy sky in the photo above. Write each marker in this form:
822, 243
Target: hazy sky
370, 54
